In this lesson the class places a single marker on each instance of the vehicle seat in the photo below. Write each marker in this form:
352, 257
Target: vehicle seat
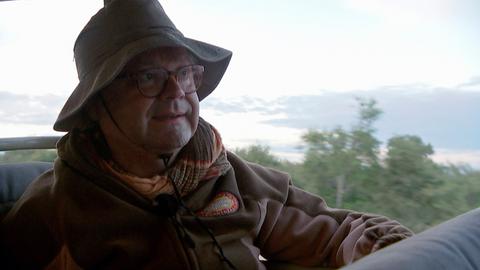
14, 179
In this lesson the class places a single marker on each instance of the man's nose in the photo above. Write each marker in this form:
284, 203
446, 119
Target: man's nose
172, 89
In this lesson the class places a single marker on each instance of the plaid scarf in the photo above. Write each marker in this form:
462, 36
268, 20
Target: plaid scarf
202, 158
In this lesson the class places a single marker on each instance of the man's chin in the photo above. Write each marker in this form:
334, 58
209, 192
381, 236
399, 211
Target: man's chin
159, 150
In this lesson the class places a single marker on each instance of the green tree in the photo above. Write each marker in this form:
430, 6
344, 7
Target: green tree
410, 183
28, 155
338, 161
259, 154
407, 155
458, 193
345, 167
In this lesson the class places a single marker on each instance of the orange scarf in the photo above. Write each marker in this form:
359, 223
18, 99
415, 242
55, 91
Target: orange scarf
203, 158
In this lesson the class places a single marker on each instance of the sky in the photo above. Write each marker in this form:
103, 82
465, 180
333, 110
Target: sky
303, 60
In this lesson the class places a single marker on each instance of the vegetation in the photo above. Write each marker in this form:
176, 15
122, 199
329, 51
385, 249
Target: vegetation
28, 155
347, 168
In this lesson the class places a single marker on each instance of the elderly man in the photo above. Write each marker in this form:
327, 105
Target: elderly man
142, 182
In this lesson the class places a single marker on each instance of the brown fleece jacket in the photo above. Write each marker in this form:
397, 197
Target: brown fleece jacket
77, 217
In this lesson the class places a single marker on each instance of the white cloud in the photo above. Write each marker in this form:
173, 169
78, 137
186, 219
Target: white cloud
405, 12
458, 157
36, 50
29, 109
241, 129
10, 130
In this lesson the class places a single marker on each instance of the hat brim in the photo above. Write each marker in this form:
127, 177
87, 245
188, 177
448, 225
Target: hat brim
213, 58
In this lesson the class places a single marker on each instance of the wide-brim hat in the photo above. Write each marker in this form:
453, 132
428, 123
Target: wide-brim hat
118, 32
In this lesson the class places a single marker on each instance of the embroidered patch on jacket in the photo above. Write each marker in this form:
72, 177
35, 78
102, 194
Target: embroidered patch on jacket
222, 204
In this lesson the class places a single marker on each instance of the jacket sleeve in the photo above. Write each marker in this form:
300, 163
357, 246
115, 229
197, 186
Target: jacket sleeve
304, 230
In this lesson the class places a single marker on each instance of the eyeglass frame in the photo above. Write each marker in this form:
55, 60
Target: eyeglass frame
134, 76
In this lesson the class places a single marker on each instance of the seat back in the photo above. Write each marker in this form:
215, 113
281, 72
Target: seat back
14, 179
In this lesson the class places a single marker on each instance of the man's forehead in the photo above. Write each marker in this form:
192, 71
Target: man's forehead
163, 54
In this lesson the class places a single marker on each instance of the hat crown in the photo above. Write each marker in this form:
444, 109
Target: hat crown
117, 23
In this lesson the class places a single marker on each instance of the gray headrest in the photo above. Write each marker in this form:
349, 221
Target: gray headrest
14, 179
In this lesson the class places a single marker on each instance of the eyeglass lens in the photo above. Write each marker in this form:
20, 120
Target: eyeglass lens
151, 82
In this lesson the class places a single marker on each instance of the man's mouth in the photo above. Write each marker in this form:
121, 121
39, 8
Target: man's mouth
169, 117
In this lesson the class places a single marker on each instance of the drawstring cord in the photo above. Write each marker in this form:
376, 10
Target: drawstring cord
104, 103
186, 236
171, 211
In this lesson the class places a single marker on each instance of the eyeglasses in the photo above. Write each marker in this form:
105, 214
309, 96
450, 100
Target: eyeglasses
151, 82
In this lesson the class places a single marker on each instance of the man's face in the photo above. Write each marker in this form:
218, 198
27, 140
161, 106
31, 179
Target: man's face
162, 124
